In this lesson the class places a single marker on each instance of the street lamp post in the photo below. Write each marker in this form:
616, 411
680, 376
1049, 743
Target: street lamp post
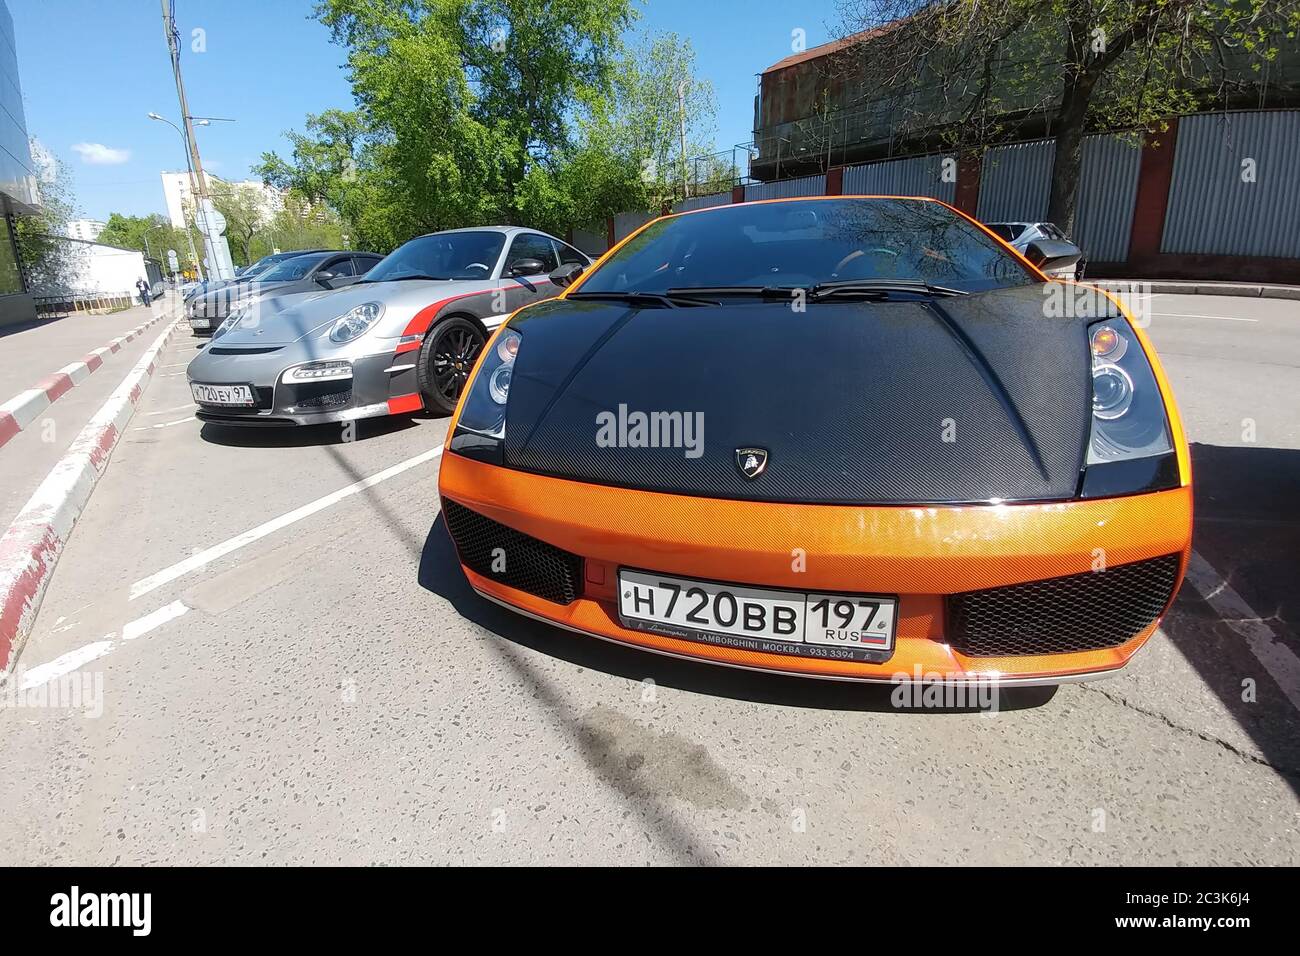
194, 256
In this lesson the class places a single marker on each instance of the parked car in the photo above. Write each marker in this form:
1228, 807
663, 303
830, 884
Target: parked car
250, 272
403, 338
867, 384
305, 272
1020, 234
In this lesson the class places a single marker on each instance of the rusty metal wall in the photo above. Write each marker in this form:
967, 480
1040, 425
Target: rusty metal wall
916, 176
1234, 190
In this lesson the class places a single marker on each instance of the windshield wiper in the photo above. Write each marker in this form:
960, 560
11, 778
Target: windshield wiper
878, 287
672, 299
756, 291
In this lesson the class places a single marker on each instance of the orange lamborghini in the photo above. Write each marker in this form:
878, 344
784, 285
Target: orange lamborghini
843, 437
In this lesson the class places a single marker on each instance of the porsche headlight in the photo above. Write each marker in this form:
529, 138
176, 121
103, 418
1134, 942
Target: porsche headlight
1129, 449
356, 321
482, 423
232, 320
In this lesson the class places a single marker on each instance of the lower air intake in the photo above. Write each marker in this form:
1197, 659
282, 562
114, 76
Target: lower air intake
1080, 612
523, 562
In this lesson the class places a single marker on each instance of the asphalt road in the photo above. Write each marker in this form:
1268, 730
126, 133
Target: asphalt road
324, 688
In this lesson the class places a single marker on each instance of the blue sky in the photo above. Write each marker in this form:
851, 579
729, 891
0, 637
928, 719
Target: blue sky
92, 69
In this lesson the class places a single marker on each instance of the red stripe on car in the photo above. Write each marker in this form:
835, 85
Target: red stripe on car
405, 403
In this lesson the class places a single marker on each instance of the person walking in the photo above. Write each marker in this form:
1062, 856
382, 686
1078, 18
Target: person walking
143, 288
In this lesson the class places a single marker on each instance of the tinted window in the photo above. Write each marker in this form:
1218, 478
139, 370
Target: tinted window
1007, 231
446, 255
529, 245
569, 254
802, 242
291, 269
340, 267
365, 263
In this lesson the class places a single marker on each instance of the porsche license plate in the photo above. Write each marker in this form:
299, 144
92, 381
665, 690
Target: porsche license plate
222, 394
805, 623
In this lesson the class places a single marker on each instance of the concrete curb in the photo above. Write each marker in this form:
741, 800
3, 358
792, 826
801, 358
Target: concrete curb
23, 409
1175, 287
31, 547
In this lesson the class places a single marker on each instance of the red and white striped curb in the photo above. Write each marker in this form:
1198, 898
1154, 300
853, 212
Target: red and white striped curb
33, 543
23, 409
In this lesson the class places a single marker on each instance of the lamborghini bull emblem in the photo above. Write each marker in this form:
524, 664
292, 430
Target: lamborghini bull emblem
751, 461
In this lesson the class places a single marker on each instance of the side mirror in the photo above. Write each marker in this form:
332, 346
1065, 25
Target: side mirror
1052, 254
323, 278
526, 267
567, 274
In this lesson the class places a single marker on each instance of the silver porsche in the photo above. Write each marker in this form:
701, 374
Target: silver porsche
402, 339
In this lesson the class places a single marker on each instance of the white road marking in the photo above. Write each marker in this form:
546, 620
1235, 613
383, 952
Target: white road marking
74, 659
179, 421
177, 365
65, 663
1193, 315
1278, 659
167, 411
193, 563
143, 625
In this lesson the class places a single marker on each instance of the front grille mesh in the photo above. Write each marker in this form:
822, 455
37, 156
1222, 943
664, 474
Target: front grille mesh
1080, 612
523, 562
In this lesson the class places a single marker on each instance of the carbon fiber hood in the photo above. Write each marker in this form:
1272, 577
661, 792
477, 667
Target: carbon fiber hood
958, 400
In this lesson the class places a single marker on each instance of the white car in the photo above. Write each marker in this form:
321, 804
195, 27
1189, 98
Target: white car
1020, 234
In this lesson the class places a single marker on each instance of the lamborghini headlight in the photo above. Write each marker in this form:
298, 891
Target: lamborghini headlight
1130, 427
482, 423
356, 321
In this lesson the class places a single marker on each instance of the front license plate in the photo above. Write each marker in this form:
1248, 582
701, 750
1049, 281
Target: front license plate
857, 627
222, 394
200, 324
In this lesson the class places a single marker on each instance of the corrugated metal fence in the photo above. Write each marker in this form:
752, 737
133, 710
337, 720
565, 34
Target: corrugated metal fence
701, 202
782, 188
1234, 185
626, 223
915, 176
1016, 183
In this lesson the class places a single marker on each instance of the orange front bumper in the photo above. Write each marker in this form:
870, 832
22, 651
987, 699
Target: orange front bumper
919, 553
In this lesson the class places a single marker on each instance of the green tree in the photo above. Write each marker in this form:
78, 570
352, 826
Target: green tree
300, 224
42, 238
469, 105
243, 207
981, 66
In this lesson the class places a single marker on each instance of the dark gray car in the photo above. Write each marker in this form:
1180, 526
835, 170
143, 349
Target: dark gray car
307, 272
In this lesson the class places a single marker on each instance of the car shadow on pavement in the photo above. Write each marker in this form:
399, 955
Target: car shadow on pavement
273, 436
440, 573
1247, 527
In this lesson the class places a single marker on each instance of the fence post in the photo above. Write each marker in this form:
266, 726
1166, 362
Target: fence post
737, 193
609, 233
835, 181
966, 196
1155, 174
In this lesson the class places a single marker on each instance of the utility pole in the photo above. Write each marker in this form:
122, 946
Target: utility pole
210, 222
681, 110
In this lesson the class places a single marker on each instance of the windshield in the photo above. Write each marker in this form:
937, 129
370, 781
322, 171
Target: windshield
447, 255
802, 243
291, 269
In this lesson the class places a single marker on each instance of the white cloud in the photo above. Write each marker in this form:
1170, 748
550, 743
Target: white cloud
97, 154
